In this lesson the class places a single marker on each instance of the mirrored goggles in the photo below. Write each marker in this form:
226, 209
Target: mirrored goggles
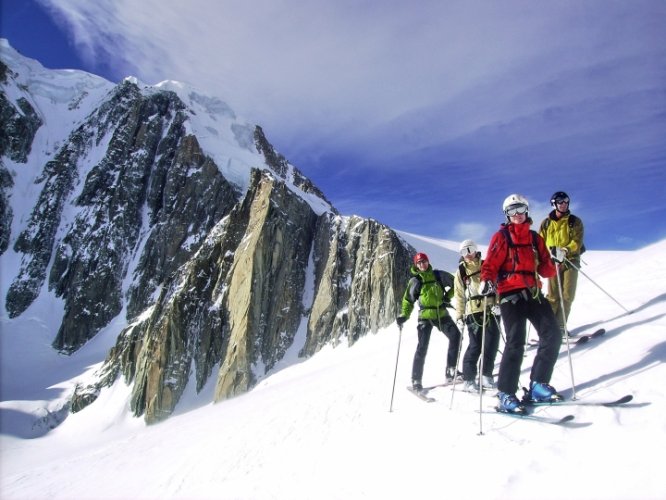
515, 210
560, 201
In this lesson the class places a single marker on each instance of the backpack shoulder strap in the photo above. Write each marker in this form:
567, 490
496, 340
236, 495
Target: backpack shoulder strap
463, 274
466, 278
509, 240
572, 220
512, 246
507, 236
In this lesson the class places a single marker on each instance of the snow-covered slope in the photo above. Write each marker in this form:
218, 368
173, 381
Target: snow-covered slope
322, 428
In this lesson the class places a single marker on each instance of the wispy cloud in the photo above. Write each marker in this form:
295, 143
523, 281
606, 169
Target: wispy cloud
523, 95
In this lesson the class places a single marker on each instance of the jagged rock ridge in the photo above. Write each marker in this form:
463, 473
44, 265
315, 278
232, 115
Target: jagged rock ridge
217, 273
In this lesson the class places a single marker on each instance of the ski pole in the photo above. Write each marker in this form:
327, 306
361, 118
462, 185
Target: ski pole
395, 374
566, 330
483, 347
596, 284
501, 334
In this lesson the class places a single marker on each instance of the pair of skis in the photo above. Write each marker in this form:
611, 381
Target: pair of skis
423, 393
586, 338
582, 339
567, 419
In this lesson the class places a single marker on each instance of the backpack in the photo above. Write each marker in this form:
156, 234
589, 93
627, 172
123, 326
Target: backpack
571, 222
509, 241
440, 294
466, 278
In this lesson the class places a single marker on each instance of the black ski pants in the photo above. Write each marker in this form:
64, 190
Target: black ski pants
474, 324
517, 308
448, 327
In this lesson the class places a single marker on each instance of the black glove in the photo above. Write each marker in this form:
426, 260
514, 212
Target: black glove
486, 288
400, 320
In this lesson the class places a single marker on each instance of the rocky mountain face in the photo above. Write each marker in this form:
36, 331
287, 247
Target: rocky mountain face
157, 206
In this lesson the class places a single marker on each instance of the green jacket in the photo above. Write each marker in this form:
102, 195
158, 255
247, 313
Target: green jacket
433, 289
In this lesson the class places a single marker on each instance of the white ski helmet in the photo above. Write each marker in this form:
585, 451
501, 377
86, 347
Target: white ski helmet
515, 200
468, 247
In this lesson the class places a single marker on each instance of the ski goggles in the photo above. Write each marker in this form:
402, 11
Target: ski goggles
560, 201
515, 210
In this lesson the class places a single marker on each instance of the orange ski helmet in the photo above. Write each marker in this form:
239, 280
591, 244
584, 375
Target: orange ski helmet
420, 256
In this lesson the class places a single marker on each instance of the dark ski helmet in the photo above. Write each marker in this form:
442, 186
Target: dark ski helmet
420, 256
559, 196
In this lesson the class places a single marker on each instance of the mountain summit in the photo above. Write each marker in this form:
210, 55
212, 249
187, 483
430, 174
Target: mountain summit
156, 209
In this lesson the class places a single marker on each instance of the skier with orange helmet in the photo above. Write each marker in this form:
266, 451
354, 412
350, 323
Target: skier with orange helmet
433, 289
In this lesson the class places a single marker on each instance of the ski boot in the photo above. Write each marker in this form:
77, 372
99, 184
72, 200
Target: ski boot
487, 382
451, 373
509, 403
416, 386
470, 386
541, 393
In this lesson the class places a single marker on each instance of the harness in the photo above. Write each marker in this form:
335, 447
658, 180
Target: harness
504, 274
430, 282
466, 278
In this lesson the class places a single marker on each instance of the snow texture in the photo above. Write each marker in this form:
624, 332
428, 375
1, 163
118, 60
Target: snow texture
322, 428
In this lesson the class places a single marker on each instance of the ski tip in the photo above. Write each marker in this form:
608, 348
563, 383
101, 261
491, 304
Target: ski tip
622, 400
423, 395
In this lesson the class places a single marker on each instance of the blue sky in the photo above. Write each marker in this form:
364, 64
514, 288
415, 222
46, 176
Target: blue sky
422, 115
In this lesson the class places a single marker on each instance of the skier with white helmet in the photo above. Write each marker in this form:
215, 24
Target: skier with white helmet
469, 305
516, 257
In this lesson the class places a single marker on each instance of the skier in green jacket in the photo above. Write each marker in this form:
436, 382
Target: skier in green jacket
433, 289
